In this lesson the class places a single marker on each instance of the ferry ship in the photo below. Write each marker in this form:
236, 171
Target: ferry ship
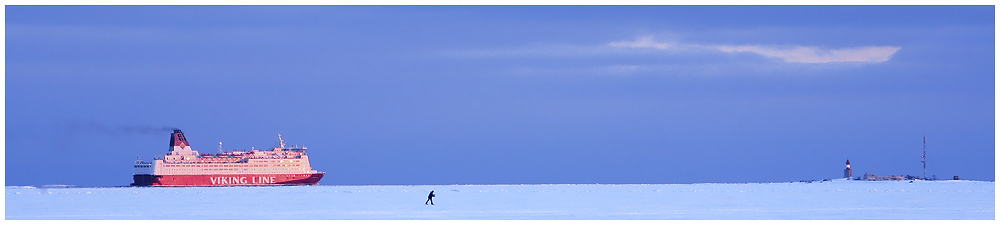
186, 167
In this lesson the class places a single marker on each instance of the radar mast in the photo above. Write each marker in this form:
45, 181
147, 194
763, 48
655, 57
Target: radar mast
281, 141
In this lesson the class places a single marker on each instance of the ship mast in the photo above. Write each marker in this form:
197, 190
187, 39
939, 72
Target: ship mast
281, 140
923, 158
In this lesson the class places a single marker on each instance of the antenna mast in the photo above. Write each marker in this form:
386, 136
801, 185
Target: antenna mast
923, 158
220, 147
281, 140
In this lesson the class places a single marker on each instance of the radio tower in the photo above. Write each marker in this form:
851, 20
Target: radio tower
923, 158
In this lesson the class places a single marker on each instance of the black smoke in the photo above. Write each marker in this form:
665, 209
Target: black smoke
76, 127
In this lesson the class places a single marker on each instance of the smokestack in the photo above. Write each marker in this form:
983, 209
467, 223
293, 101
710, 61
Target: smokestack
178, 142
847, 172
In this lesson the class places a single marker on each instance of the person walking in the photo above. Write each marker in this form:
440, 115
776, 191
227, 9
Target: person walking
430, 198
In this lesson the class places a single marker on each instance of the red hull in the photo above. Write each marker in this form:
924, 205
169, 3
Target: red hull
226, 179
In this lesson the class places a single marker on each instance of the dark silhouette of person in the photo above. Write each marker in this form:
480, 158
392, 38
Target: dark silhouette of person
430, 198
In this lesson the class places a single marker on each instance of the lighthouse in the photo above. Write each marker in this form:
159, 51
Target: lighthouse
847, 171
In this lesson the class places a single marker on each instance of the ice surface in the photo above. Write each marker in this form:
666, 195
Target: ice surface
839, 199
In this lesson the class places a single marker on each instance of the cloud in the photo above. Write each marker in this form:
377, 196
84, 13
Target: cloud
532, 51
796, 54
803, 54
642, 42
688, 53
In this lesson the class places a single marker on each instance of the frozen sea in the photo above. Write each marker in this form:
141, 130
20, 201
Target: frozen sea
832, 200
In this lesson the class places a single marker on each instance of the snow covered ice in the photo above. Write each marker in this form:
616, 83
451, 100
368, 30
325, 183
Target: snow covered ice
837, 200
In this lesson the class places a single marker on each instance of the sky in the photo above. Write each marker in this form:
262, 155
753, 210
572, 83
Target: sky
506, 94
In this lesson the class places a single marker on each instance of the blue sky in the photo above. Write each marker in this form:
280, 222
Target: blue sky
506, 94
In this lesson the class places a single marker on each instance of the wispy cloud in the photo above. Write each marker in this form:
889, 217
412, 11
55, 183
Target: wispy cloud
803, 54
796, 54
642, 42
650, 54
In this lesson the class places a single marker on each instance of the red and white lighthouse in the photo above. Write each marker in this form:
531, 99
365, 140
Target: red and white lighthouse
847, 172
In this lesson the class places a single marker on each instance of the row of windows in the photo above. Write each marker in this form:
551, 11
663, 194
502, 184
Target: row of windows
228, 165
234, 169
218, 160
